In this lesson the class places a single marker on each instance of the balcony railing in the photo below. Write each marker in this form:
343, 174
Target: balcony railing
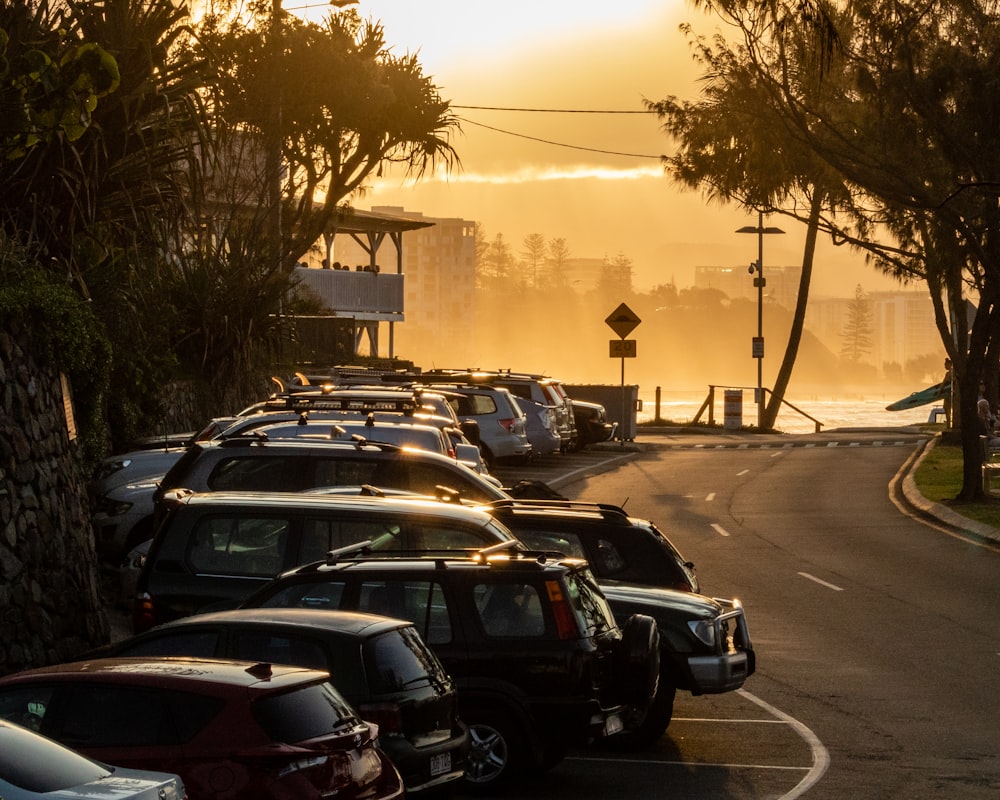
361, 295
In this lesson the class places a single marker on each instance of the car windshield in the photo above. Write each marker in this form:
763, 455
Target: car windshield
307, 713
37, 764
588, 603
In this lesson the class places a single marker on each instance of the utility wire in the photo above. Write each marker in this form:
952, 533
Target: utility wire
553, 110
558, 144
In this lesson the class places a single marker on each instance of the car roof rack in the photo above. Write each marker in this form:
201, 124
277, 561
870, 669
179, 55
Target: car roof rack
606, 509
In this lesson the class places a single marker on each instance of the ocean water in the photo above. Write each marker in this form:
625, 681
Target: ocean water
855, 411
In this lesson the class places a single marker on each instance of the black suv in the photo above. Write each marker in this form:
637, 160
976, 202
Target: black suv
217, 547
530, 641
618, 547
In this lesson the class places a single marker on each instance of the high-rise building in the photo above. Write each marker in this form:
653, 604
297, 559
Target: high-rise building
439, 265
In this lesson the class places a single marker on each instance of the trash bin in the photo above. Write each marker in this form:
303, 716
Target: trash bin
732, 419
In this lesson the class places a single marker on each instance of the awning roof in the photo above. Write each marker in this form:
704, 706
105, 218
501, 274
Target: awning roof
354, 221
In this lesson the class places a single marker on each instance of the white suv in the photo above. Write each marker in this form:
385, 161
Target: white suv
503, 431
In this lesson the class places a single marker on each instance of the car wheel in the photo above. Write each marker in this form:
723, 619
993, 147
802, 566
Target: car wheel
639, 659
496, 749
653, 725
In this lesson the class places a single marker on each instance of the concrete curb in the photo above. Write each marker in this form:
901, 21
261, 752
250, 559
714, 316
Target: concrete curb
941, 512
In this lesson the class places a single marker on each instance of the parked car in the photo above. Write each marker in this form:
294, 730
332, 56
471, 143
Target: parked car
34, 767
243, 464
230, 729
503, 433
592, 424
618, 546
380, 665
216, 547
705, 648
531, 643
540, 389
540, 426
121, 492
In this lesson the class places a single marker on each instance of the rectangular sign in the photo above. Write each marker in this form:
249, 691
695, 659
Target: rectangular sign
622, 348
758, 347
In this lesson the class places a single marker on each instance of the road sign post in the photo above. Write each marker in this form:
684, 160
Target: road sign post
623, 320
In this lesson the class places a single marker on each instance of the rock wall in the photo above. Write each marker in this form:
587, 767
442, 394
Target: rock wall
50, 599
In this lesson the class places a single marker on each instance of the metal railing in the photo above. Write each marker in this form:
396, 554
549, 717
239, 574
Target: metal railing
709, 404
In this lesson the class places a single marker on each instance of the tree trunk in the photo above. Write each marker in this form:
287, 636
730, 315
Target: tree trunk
798, 320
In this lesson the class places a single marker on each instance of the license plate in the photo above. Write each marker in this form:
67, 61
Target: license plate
613, 725
440, 763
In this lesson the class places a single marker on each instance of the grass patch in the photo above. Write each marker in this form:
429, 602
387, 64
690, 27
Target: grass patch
939, 479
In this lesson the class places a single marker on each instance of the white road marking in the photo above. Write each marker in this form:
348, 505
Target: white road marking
742, 473
719, 529
820, 755
821, 758
709, 497
821, 582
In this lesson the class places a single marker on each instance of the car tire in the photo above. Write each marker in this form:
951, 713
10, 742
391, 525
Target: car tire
653, 725
496, 749
639, 660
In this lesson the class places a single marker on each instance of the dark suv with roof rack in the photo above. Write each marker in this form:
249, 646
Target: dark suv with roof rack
539, 661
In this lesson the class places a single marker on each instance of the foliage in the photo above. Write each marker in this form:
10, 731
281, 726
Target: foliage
342, 103
857, 333
64, 333
896, 101
939, 478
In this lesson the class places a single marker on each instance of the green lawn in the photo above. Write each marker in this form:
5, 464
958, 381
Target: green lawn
939, 478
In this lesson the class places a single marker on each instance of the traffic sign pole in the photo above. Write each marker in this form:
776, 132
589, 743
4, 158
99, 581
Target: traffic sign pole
623, 320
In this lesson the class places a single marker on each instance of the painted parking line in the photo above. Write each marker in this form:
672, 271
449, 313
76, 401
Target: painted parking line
719, 529
820, 757
822, 582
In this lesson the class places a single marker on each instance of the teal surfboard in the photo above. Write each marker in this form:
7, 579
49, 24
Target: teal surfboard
922, 398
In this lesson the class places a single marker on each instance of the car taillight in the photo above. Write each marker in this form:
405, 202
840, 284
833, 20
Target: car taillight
507, 424
387, 716
561, 611
143, 617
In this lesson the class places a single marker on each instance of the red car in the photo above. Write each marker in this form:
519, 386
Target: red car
233, 730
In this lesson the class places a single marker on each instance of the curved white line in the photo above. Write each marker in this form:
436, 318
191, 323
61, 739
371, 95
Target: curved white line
821, 758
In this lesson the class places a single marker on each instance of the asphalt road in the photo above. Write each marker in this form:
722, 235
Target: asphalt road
875, 630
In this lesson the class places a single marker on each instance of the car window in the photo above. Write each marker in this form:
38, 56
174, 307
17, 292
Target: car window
319, 536
476, 405
239, 545
399, 660
441, 536
423, 478
25, 705
421, 602
588, 604
568, 544
507, 610
309, 594
98, 715
201, 644
307, 713
609, 557
272, 473
344, 472
260, 645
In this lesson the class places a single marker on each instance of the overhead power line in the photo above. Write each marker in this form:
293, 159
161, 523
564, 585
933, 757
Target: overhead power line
558, 144
556, 110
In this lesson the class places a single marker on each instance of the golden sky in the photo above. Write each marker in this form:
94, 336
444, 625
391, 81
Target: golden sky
595, 180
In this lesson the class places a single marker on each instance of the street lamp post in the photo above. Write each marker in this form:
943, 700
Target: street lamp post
759, 282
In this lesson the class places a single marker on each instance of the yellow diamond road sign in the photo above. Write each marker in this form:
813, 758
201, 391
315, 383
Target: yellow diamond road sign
623, 320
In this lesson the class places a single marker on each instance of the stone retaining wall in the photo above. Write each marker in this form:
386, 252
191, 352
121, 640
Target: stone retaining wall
50, 606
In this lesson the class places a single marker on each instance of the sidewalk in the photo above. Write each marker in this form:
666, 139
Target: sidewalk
685, 437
